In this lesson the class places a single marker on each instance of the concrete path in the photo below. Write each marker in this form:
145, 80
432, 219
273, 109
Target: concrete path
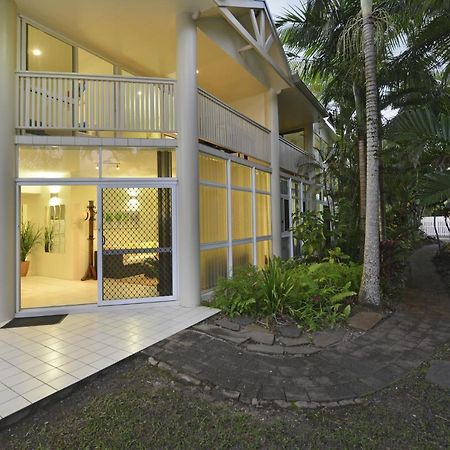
340, 374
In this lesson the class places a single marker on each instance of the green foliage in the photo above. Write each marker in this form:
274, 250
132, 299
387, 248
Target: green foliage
336, 255
277, 286
30, 237
240, 295
309, 227
435, 188
315, 295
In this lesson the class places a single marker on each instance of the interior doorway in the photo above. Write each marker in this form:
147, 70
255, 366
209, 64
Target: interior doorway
96, 244
53, 241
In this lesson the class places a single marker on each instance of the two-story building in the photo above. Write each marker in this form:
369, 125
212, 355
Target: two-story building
153, 145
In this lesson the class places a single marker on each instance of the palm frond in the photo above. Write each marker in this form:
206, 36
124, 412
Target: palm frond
435, 189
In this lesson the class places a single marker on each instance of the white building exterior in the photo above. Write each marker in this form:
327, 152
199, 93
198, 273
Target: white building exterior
178, 121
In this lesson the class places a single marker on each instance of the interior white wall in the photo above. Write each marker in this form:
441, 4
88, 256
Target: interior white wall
71, 264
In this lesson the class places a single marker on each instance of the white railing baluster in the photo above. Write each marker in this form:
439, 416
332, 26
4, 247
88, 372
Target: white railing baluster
113, 103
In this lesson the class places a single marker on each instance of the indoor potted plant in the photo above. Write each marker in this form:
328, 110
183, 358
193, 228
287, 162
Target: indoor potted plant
30, 237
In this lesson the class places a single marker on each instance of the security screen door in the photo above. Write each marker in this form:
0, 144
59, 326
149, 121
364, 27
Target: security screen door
137, 244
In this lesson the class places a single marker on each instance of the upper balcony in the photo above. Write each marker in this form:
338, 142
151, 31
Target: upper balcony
62, 103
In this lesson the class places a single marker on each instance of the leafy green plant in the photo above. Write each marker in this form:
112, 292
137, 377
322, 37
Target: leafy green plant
241, 294
336, 255
309, 227
30, 237
277, 285
315, 295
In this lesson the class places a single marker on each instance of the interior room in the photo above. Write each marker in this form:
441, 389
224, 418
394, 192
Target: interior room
55, 219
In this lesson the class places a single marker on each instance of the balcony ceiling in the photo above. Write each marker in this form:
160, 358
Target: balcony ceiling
141, 35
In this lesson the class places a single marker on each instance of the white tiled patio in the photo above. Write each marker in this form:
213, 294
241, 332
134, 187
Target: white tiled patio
36, 362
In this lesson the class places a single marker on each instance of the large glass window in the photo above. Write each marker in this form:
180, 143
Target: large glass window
263, 252
262, 181
213, 214
263, 215
212, 169
213, 265
241, 212
91, 64
242, 255
58, 162
84, 162
46, 53
136, 162
241, 176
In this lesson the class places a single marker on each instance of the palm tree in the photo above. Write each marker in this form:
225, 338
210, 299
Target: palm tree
312, 33
370, 283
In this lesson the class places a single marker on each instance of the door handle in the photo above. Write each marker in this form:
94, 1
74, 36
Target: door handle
103, 240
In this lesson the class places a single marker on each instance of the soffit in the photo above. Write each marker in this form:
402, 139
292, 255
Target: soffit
140, 34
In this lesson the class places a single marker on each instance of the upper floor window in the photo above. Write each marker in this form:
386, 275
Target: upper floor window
91, 64
46, 53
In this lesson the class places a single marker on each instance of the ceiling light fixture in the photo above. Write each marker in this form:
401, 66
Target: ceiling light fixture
36, 52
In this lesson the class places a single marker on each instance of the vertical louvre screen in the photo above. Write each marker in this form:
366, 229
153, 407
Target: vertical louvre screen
137, 243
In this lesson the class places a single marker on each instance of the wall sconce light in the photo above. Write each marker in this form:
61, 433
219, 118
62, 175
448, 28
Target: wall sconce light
54, 199
111, 163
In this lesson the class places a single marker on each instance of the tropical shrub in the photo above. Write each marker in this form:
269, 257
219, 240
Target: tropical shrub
240, 295
309, 227
314, 295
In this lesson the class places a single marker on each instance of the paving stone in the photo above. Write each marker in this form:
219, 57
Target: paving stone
262, 337
234, 395
188, 379
282, 404
294, 341
269, 349
272, 393
235, 337
228, 324
439, 374
301, 350
243, 321
296, 393
307, 405
326, 338
289, 331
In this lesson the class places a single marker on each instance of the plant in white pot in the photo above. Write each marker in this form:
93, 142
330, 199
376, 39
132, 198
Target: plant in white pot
30, 237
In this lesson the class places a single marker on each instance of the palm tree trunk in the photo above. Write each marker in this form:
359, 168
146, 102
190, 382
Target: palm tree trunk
359, 108
370, 283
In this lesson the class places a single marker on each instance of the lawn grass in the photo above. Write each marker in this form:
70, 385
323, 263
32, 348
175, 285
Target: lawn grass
135, 405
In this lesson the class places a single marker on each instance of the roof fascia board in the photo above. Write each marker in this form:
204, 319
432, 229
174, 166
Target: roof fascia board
253, 4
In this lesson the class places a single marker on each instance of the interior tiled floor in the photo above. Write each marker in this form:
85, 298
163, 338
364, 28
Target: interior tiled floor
36, 362
37, 291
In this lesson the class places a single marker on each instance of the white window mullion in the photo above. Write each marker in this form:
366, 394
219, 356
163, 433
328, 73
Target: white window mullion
229, 224
291, 234
254, 215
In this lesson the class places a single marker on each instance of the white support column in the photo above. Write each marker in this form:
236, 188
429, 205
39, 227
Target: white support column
8, 22
275, 178
187, 162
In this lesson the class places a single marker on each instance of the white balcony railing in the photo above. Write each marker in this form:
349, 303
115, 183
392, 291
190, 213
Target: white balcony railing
221, 125
95, 103
53, 101
292, 157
